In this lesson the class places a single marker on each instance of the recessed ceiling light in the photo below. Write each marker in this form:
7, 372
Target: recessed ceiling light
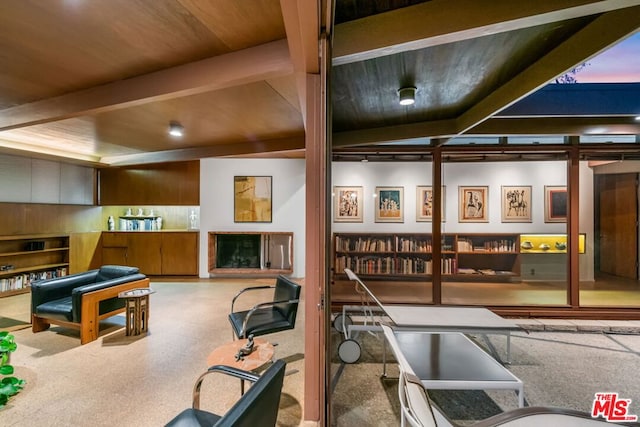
176, 129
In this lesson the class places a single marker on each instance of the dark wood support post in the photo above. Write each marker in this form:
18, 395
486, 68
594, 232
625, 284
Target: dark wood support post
573, 224
436, 224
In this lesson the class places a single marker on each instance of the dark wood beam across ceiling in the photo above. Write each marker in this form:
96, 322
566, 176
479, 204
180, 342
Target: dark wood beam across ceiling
439, 22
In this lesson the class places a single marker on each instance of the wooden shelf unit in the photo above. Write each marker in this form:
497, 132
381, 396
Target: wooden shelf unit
409, 255
31, 257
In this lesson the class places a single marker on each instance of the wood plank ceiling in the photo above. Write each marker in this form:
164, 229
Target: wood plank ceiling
469, 60
99, 81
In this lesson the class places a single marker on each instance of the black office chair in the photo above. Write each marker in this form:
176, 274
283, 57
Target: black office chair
276, 315
257, 407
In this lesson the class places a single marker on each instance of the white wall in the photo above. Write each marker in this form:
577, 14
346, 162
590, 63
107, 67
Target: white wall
216, 202
492, 174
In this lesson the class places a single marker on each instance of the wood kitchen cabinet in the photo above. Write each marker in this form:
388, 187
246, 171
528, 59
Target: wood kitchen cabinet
154, 253
180, 253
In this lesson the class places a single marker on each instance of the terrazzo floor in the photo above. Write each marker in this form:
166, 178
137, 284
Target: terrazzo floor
146, 380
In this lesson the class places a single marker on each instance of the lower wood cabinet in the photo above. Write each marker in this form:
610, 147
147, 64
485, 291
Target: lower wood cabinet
154, 253
179, 253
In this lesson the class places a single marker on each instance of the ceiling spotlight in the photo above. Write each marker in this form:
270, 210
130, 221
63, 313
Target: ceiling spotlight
407, 95
176, 129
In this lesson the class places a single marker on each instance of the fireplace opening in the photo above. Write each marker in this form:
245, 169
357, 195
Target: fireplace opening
238, 251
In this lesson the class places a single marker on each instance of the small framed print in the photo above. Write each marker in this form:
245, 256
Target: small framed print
389, 204
424, 203
516, 203
555, 203
472, 202
348, 204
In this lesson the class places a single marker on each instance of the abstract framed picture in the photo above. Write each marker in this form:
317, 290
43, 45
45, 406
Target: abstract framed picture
555, 203
424, 203
252, 199
347, 204
472, 202
389, 204
516, 203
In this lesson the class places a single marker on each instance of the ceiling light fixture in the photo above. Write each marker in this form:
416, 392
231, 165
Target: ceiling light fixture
407, 95
176, 129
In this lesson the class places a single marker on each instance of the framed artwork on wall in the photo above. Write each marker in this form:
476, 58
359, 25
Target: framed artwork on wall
252, 199
389, 204
555, 203
347, 204
472, 202
516, 203
424, 203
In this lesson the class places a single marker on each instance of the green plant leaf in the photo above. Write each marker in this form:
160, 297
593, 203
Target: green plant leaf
9, 386
9, 389
7, 346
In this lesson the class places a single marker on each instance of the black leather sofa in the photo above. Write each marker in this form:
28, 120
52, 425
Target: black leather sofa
81, 300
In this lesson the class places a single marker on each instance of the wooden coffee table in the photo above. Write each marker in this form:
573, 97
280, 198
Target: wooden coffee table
262, 354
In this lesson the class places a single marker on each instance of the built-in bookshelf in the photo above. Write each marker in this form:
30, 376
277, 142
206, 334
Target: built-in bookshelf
26, 258
463, 256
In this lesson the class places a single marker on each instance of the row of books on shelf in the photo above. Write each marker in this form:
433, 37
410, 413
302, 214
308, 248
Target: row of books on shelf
504, 245
364, 244
414, 245
410, 244
20, 281
391, 265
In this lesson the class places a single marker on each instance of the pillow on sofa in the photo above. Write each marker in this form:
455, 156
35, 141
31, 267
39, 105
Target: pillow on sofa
107, 272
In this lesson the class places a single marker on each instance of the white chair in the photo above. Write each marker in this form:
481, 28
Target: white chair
417, 409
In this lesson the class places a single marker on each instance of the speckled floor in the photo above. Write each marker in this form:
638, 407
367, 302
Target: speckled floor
146, 380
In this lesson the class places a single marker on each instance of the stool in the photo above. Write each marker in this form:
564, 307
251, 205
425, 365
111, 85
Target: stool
137, 310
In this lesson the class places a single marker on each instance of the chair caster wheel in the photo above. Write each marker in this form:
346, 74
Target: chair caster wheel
349, 351
340, 321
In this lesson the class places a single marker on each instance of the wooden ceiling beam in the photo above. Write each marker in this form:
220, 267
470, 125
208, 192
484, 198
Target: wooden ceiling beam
438, 22
293, 143
302, 25
600, 34
236, 68
440, 129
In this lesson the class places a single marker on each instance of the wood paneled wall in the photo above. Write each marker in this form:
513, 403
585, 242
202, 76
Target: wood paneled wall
82, 223
175, 183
